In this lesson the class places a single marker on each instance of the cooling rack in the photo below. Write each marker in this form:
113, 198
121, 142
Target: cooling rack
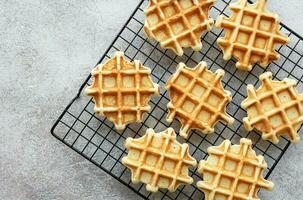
96, 139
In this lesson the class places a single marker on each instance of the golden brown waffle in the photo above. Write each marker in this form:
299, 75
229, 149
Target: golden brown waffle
158, 160
252, 33
233, 172
121, 90
198, 99
274, 109
178, 23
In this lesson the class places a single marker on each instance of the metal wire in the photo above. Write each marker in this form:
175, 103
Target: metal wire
96, 139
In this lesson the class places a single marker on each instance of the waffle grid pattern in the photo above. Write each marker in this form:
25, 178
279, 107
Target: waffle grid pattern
178, 24
159, 160
234, 171
192, 107
274, 109
122, 90
96, 139
252, 34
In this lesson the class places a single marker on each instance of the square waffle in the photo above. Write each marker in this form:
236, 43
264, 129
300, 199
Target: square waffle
178, 23
252, 33
121, 90
274, 109
159, 160
233, 172
198, 99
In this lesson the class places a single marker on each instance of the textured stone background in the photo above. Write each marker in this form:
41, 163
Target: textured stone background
47, 48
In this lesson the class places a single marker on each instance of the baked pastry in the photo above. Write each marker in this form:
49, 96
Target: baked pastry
197, 99
178, 23
251, 34
121, 90
274, 109
158, 160
233, 172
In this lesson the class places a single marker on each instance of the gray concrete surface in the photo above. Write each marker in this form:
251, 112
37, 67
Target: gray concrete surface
47, 48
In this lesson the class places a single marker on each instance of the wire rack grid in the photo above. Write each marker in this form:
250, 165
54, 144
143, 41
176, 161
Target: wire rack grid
95, 138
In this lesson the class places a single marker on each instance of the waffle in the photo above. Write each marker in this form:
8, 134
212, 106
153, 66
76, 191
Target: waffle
252, 33
233, 172
198, 99
159, 160
274, 109
178, 23
121, 90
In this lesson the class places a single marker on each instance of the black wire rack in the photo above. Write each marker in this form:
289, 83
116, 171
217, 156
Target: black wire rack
95, 138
